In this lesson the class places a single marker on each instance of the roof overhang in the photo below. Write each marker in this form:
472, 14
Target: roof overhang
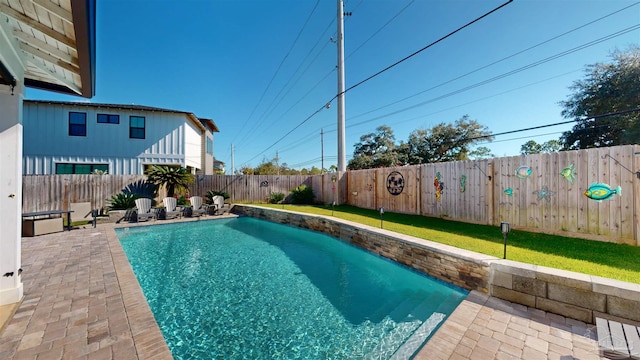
210, 124
55, 41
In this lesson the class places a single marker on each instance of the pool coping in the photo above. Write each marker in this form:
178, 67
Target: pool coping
574, 295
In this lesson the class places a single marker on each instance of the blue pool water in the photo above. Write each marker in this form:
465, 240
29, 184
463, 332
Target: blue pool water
247, 288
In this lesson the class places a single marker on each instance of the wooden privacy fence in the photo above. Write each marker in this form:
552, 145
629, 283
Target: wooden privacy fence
49, 192
55, 192
542, 192
257, 188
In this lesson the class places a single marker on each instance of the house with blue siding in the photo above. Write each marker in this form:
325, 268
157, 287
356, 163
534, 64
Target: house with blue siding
81, 138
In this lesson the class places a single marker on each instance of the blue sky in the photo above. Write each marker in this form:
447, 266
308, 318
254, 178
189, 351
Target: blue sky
238, 62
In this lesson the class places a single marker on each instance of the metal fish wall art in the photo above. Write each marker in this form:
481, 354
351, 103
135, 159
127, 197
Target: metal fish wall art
568, 173
523, 172
601, 191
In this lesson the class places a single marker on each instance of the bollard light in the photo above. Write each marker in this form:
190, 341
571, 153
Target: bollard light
381, 216
505, 228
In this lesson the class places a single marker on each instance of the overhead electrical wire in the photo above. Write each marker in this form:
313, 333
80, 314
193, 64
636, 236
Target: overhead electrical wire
278, 69
279, 99
456, 92
595, 117
486, 66
385, 70
380, 29
632, 28
503, 75
424, 48
497, 61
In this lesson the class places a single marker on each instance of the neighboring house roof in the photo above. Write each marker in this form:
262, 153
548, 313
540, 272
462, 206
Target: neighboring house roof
57, 44
210, 124
201, 123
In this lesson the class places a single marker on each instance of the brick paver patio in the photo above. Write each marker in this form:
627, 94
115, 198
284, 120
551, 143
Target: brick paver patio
82, 301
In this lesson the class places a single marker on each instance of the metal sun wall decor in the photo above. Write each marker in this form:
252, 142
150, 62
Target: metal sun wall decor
439, 185
601, 191
395, 183
544, 193
463, 183
568, 173
523, 172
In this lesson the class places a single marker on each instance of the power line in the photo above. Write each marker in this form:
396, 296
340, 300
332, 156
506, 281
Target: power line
386, 69
480, 68
287, 134
271, 106
381, 28
278, 69
497, 61
595, 117
426, 47
503, 75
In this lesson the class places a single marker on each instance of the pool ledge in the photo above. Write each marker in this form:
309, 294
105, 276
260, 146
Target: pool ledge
573, 295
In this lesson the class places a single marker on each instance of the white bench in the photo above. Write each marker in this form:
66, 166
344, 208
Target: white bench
618, 340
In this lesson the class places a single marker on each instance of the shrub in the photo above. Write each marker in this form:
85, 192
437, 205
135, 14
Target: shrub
212, 193
182, 201
303, 194
275, 197
122, 201
141, 188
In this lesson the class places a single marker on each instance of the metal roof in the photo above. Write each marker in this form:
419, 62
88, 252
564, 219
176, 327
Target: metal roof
201, 122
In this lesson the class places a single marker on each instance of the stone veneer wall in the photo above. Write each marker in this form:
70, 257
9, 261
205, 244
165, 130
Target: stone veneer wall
574, 295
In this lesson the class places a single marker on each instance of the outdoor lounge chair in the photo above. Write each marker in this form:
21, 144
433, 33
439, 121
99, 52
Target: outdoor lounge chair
197, 208
144, 210
83, 212
218, 202
171, 208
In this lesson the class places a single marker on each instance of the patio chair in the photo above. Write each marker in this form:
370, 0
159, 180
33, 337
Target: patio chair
171, 208
197, 208
218, 202
82, 212
143, 209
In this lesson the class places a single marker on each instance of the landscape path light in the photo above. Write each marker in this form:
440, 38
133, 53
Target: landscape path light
505, 228
381, 216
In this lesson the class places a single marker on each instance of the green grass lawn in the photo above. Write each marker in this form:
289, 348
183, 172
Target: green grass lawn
609, 260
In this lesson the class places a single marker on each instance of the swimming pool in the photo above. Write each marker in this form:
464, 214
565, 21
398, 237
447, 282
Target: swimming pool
247, 288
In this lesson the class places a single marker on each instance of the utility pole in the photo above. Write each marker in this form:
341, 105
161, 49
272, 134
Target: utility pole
342, 156
277, 164
233, 164
322, 150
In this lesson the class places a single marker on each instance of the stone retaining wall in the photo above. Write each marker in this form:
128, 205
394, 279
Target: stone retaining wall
570, 294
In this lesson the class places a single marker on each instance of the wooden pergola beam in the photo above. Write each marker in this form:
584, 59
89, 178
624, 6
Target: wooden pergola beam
55, 9
37, 25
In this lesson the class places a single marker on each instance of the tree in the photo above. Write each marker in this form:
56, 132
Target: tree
266, 168
246, 170
607, 88
445, 142
532, 147
171, 177
481, 152
377, 149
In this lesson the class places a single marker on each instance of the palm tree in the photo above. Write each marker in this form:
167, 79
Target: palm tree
173, 178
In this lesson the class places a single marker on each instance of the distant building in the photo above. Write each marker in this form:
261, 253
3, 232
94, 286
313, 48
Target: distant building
218, 167
81, 138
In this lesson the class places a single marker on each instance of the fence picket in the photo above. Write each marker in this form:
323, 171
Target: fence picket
482, 198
